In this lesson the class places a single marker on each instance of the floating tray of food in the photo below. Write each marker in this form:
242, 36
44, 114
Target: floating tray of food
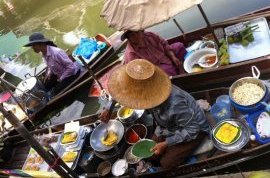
248, 40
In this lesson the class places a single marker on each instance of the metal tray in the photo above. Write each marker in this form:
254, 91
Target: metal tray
258, 48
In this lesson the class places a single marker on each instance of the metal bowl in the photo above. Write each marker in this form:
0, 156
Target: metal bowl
241, 81
140, 131
136, 114
99, 132
240, 142
131, 159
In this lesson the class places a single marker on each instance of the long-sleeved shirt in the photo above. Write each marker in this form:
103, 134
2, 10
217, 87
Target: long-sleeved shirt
155, 51
180, 118
59, 63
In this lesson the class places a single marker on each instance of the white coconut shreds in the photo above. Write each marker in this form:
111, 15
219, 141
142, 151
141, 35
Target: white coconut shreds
247, 94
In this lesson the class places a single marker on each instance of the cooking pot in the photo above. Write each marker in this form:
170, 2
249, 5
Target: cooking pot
134, 133
30, 84
131, 118
36, 101
99, 132
247, 109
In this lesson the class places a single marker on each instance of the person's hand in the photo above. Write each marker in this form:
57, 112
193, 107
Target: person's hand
46, 78
176, 61
104, 116
159, 148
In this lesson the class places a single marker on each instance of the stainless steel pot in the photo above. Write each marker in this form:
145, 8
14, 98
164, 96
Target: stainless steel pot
30, 84
36, 101
136, 114
245, 109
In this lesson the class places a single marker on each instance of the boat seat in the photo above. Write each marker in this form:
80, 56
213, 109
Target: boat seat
204, 147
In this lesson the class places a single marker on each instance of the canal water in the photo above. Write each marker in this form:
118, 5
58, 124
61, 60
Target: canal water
65, 22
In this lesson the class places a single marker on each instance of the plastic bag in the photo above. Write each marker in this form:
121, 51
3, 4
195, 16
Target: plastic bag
86, 48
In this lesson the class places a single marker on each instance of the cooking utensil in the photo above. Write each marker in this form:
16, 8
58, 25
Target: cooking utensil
205, 62
142, 148
119, 167
135, 133
95, 139
131, 159
239, 143
104, 168
137, 113
255, 80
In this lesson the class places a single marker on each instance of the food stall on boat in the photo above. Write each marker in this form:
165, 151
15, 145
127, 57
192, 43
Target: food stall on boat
121, 148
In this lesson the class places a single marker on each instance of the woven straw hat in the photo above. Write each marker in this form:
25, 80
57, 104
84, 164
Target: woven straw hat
139, 85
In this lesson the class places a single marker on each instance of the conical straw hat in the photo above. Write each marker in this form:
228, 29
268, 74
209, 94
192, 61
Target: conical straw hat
139, 85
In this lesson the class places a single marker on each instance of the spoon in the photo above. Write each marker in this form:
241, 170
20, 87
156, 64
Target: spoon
105, 136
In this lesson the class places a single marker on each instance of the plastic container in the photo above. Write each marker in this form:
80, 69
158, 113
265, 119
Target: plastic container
221, 111
252, 120
224, 99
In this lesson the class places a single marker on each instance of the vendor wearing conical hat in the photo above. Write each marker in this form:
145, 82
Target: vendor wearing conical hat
181, 122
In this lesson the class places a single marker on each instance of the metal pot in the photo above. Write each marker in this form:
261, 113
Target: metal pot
136, 114
30, 84
136, 132
99, 132
36, 101
255, 80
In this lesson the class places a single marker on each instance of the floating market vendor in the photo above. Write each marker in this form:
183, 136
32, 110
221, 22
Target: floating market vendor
181, 123
61, 69
148, 45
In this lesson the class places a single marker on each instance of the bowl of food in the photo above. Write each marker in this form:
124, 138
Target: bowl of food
208, 60
134, 133
191, 63
106, 135
231, 135
142, 149
128, 115
246, 94
104, 168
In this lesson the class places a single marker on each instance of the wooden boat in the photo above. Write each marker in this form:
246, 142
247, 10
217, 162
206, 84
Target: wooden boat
210, 163
104, 62
223, 75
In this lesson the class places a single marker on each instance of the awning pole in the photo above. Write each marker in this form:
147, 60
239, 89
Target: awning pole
181, 29
208, 23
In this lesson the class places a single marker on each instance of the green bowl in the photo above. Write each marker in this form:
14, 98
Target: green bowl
142, 149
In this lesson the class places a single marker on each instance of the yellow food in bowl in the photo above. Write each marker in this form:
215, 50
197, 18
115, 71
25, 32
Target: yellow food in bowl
110, 139
227, 133
126, 112
69, 156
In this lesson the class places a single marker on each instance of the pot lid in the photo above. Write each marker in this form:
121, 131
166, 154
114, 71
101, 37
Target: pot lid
25, 85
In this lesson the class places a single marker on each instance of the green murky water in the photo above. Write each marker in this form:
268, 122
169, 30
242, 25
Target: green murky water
64, 22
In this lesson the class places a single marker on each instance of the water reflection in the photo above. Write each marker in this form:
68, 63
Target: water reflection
64, 22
